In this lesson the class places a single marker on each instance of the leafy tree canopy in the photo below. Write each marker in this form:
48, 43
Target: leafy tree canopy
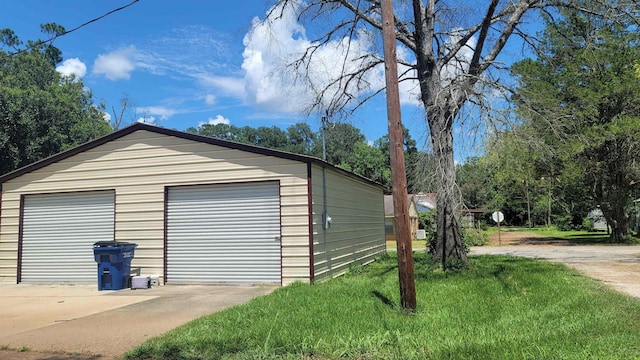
579, 103
41, 111
345, 145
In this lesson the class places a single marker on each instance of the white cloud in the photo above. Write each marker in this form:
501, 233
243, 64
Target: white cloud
459, 63
226, 85
219, 119
163, 112
272, 45
72, 66
190, 52
106, 116
116, 65
147, 120
210, 99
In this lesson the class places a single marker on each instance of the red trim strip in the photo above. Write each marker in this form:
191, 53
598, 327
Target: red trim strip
20, 228
280, 217
312, 271
165, 240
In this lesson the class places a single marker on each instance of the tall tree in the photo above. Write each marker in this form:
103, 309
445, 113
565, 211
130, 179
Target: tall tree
580, 95
451, 50
125, 114
346, 147
370, 162
41, 111
300, 139
341, 139
220, 131
410, 157
476, 182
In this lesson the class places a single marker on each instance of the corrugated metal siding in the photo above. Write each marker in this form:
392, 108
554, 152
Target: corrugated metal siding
357, 232
224, 233
139, 166
58, 235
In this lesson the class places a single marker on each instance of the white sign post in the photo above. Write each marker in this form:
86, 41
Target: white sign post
498, 217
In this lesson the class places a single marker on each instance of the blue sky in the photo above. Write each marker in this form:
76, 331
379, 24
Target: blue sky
184, 63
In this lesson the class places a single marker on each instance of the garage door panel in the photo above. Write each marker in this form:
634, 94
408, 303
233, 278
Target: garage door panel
58, 235
224, 233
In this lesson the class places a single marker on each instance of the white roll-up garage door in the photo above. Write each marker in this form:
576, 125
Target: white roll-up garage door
224, 233
58, 232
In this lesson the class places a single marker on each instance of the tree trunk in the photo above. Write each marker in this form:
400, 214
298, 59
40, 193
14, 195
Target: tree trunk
613, 198
617, 217
448, 236
526, 192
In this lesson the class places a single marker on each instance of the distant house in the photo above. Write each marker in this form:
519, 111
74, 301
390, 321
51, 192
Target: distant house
389, 213
425, 202
469, 217
599, 222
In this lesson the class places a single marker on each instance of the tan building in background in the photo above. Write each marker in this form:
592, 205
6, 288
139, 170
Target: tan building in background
202, 210
389, 213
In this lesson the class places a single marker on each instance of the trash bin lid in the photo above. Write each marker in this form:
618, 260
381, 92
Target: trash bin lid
104, 243
111, 243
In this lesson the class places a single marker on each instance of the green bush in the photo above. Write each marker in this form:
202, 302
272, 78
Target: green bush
482, 225
470, 237
630, 240
587, 224
563, 222
474, 237
427, 220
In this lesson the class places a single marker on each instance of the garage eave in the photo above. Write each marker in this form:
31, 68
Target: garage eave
180, 134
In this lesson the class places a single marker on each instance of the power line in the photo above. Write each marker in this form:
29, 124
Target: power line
53, 38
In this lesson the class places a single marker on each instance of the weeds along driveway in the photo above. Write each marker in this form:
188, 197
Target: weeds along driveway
617, 266
81, 320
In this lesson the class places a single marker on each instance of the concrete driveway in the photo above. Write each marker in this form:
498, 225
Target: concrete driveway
92, 324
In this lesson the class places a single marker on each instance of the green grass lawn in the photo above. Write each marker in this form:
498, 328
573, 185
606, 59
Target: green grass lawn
416, 245
498, 308
572, 236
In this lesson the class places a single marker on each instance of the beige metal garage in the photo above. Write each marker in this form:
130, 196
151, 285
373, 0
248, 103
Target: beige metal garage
202, 210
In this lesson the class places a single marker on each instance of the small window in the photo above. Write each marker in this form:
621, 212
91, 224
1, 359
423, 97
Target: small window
388, 227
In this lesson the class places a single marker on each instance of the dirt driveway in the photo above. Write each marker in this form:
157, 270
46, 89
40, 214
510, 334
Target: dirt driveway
617, 266
79, 322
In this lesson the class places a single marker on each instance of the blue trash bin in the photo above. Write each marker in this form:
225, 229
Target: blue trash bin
114, 264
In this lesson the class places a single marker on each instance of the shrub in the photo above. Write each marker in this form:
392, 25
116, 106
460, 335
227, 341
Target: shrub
630, 240
473, 237
427, 220
587, 224
482, 225
470, 237
563, 222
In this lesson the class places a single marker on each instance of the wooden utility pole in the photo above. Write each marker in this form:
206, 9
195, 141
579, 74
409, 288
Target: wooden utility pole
398, 171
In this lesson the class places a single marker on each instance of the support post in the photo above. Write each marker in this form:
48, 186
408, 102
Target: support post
398, 171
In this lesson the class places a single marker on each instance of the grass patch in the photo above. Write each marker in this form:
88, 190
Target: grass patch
416, 245
497, 308
571, 235
578, 236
